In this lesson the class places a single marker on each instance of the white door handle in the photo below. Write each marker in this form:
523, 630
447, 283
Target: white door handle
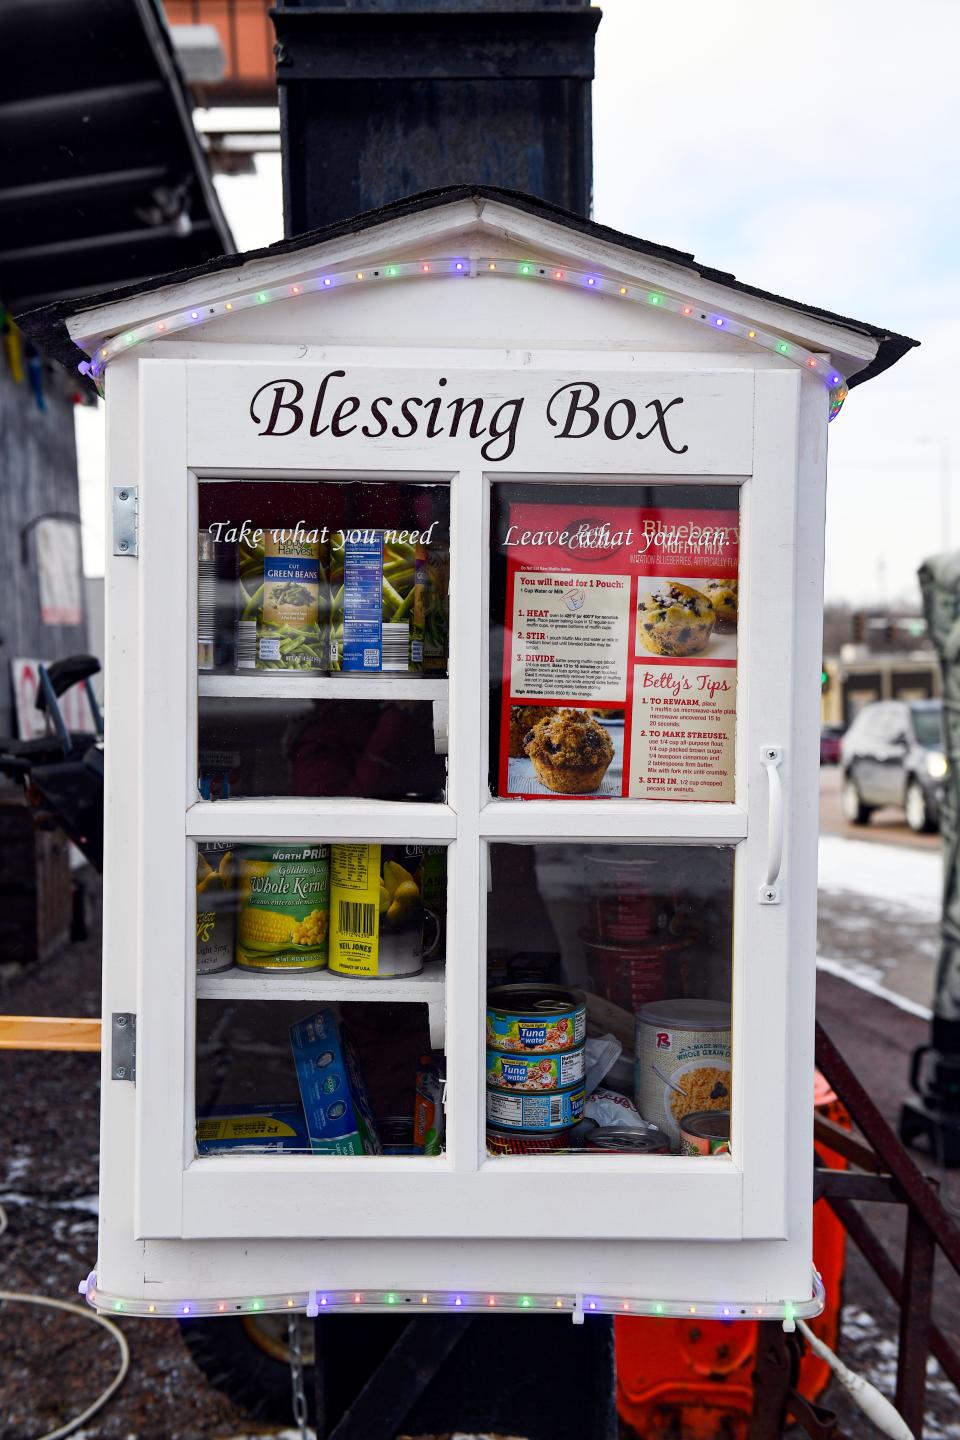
772, 758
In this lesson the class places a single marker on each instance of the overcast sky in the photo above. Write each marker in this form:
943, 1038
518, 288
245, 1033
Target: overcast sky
809, 148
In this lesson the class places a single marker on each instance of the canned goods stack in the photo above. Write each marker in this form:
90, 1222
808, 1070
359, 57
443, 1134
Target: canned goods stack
536, 1063
631, 956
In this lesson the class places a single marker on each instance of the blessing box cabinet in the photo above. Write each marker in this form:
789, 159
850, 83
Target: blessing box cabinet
464, 616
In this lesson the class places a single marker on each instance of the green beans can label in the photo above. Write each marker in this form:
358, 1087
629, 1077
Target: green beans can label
285, 908
282, 622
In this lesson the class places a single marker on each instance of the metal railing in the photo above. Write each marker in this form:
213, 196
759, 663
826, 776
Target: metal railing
884, 1172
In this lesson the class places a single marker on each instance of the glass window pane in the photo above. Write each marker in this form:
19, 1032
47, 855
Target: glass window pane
608, 998
373, 749
322, 638
320, 998
613, 655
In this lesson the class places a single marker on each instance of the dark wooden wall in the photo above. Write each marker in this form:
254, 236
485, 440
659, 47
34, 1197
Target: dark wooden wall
38, 473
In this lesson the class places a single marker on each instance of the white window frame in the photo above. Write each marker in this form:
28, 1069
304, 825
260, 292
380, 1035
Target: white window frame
465, 1194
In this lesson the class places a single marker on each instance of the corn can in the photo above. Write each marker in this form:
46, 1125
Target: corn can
216, 908
284, 907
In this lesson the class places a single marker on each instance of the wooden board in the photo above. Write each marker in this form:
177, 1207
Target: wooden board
49, 1032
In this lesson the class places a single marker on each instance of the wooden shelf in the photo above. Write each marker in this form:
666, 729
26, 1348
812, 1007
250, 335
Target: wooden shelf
322, 986
271, 685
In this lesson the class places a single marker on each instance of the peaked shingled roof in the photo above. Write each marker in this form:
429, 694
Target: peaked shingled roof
47, 325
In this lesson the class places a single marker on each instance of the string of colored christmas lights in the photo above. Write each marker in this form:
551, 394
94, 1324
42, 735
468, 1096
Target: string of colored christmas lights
317, 1302
592, 280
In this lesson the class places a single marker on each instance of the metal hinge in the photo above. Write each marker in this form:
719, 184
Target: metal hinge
125, 520
123, 1045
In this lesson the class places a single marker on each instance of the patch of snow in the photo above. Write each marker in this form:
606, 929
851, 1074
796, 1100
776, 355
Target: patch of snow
874, 1355
90, 1204
895, 875
17, 1167
867, 977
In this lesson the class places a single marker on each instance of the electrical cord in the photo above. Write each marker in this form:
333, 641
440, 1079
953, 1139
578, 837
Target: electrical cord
865, 1396
17, 1297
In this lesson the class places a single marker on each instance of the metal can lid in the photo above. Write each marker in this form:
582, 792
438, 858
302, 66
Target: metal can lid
512, 1133
637, 1142
707, 1124
532, 1058
534, 1001
687, 1014
574, 1090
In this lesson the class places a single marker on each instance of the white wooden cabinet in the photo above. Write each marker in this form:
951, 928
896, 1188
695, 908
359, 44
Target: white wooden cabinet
190, 404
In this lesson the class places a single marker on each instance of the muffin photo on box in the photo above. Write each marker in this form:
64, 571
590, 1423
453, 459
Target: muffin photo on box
674, 619
522, 720
722, 595
570, 752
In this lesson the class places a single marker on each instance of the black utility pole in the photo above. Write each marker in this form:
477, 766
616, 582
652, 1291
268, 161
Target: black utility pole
385, 98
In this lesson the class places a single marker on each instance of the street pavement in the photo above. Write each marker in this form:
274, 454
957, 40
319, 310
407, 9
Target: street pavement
878, 942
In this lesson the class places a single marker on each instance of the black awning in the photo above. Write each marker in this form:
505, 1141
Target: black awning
103, 181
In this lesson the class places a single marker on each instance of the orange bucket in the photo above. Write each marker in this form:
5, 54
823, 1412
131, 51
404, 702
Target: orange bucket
695, 1377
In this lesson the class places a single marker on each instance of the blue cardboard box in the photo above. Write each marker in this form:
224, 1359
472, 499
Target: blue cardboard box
338, 1115
233, 1129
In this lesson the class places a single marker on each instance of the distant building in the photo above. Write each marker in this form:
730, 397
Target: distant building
856, 678
874, 654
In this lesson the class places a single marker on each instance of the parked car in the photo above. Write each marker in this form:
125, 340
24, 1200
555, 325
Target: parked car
893, 754
830, 737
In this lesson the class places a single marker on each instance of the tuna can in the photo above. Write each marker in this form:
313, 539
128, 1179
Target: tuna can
705, 1133
538, 1019
526, 1142
551, 1110
285, 907
507, 1071
683, 1061
618, 1140
216, 908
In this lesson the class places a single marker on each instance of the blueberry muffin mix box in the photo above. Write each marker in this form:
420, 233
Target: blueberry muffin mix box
620, 648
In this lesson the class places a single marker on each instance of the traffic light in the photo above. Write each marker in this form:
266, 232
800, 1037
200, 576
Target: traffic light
824, 679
